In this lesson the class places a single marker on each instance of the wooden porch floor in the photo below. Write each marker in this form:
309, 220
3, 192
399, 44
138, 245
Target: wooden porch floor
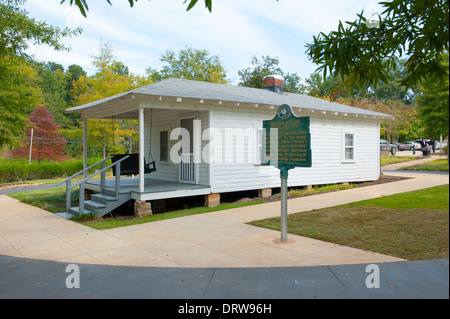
153, 188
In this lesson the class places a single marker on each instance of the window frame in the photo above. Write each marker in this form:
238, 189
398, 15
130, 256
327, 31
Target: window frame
166, 160
345, 147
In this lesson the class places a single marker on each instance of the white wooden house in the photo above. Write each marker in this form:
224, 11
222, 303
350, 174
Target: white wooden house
225, 126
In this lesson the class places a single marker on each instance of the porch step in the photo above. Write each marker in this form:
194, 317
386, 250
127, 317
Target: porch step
103, 198
102, 204
76, 211
93, 205
111, 191
64, 215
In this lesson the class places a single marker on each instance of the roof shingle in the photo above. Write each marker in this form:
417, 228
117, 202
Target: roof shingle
222, 92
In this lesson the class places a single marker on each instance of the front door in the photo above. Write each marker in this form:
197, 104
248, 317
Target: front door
188, 169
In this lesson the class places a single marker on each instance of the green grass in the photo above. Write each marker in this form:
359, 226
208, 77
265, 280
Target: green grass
413, 225
317, 189
439, 165
389, 159
435, 198
51, 199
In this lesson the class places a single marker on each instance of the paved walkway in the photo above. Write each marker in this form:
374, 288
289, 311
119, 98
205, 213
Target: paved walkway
218, 240
419, 160
40, 279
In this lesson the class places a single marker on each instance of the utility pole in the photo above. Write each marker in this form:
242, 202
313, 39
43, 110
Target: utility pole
31, 146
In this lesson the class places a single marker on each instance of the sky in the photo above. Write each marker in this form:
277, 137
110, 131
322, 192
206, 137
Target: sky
235, 30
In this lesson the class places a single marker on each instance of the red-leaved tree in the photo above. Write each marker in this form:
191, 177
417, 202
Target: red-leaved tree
47, 142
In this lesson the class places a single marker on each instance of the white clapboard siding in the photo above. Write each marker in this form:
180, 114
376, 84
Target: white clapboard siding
326, 145
167, 120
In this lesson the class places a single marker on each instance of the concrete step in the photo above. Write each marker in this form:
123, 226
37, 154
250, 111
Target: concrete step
65, 215
76, 210
112, 192
93, 205
103, 198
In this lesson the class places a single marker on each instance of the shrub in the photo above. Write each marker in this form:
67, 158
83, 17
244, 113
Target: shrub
18, 170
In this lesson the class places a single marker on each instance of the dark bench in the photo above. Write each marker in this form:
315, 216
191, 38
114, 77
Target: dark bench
426, 151
130, 166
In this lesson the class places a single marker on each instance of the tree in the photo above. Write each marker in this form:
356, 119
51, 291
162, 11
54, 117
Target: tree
112, 77
254, 75
319, 87
120, 68
17, 30
19, 93
190, 64
433, 100
83, 7
363, 54
406, 123
74, 72
47, 142
332, 88
53, 83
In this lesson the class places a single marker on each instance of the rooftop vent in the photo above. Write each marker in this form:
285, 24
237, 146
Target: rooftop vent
273, 83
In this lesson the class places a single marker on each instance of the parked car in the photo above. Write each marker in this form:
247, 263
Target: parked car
437, 145
420, 140
408, 146
384, 147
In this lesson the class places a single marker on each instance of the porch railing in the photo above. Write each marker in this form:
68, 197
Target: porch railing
188, 170
70, 186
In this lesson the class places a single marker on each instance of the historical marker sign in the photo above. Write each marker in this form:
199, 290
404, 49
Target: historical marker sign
287, 145
287, 140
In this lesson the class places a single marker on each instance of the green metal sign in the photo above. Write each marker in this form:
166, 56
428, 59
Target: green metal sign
287, 141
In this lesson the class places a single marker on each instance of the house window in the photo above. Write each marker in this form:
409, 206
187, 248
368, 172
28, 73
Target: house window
258, 144
349, 147
164, 146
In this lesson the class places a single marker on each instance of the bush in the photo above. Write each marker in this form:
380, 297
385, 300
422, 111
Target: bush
18, 170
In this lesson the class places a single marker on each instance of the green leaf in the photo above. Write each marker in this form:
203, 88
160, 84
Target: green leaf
191, 4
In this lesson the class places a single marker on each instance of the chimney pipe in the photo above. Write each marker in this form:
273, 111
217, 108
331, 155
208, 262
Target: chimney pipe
273, 83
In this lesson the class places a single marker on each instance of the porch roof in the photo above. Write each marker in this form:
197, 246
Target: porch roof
180, 88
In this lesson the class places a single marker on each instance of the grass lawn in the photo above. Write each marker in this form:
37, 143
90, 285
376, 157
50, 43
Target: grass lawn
413, 225
54, 200
389, 159
439, 165
51, 199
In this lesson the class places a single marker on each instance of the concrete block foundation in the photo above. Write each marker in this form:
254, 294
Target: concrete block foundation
142, 208
212, 200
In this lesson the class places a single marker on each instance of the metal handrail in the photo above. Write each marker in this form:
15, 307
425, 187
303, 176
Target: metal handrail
82, 182
87, 168
100, 171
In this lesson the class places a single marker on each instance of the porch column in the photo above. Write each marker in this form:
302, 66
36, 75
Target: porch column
141, 149
85, 151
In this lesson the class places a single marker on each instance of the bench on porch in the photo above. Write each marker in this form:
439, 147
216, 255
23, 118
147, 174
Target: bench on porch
130, 166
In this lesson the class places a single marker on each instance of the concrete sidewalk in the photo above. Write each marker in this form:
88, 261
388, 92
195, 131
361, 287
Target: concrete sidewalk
218, 239
205, 243
419, 160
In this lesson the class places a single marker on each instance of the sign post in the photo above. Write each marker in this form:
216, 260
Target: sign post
287, 145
